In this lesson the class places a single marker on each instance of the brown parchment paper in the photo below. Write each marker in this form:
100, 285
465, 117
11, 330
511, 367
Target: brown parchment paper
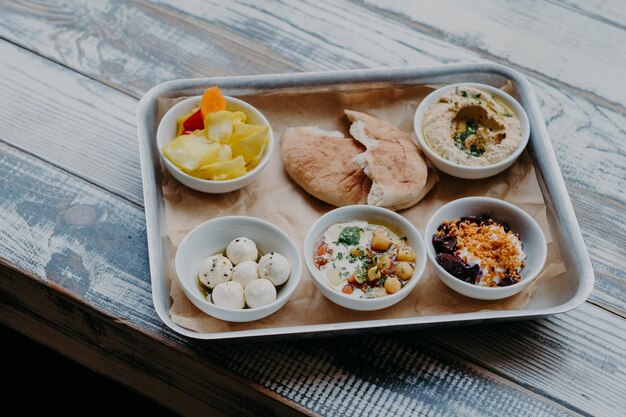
277, 199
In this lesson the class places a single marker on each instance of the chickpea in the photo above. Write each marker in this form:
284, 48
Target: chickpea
384, 262
373, 274
381, 242
392, 285
380, 231
406, 254
404, 270
358, 251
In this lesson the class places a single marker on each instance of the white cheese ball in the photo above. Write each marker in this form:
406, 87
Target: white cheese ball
245, 272
241, 249
214, 270
228, 295
275, 267
259, 293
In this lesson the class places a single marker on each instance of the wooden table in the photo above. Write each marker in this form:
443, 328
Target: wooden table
74, 268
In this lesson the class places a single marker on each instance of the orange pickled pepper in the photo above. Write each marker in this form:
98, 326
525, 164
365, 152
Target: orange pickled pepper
212, 101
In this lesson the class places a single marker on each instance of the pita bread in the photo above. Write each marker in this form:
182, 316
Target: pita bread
322, 163
392, 161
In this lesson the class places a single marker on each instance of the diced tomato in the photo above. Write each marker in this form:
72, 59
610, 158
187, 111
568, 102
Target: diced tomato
194, 122
319, 261
321, 249
348, 289
351, 279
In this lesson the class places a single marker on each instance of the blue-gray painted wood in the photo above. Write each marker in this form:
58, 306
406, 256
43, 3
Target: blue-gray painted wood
91, 244
585, 135
554, 357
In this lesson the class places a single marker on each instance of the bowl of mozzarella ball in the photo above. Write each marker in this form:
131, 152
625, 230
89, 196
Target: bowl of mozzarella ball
238, 268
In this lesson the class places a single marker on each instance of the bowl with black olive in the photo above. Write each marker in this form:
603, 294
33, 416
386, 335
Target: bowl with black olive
485, 248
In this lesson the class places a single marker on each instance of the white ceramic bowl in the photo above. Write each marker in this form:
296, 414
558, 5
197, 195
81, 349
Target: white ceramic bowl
212, 237
368, 213
519, 221
167, 133
463, 171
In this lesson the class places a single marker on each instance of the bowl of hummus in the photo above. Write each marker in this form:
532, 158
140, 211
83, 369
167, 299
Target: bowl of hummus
471, 130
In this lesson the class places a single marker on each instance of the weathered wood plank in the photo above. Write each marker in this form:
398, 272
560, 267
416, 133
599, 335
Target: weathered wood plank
526, 36
69, 120
69, 233
190, 381
138, 46
366, 40
370, 40
505, 350
586, 137
611, 12
173, 378
316, 52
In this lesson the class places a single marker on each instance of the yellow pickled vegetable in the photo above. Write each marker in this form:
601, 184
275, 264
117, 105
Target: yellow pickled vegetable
249, 141
190, 152
181, 120
243, 131
219, 126
239, 117
223, 170
224, 153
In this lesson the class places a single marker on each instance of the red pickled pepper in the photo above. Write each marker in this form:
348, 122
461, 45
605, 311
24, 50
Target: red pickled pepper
193, 122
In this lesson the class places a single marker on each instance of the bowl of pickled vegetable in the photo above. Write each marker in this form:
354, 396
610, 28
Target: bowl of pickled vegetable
214, 143
364, 257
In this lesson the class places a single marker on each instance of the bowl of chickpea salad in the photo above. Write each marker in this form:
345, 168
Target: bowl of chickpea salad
364, 257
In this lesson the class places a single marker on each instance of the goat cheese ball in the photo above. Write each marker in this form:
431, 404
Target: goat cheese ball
259, 293
245, 273
242, 249
274, 267
215, 270
229, 295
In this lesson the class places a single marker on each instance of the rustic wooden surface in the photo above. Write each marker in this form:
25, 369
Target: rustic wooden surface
73, 254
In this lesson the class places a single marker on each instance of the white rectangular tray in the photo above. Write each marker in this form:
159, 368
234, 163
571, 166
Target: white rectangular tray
561, 297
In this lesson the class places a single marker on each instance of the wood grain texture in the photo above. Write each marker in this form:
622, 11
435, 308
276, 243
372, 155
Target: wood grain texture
65, 323
55, 217
506, 350
586, 136
611, 12
73, 122
90, 246
138, 47
525, 35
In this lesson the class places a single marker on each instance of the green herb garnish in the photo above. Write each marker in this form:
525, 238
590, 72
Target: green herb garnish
350, 236
461, 137
476, 151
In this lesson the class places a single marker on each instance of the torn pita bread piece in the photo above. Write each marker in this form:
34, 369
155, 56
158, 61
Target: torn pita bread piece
322, 163
395, 164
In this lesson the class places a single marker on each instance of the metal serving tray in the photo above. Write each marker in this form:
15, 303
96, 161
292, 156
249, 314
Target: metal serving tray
561, 296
